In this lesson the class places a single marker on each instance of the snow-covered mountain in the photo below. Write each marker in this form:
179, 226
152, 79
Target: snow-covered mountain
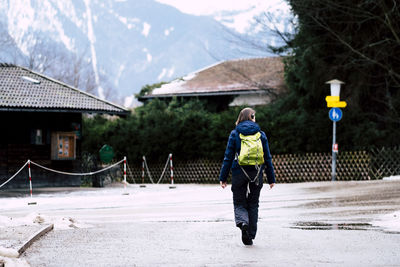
127, 44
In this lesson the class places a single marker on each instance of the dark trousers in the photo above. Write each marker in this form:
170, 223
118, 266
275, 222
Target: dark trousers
246, 206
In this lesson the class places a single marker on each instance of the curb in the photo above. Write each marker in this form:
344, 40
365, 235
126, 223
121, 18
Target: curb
34, 237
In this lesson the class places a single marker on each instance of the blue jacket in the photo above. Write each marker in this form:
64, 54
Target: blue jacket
233, 147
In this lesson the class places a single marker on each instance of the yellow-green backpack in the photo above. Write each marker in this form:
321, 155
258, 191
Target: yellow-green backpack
251, 150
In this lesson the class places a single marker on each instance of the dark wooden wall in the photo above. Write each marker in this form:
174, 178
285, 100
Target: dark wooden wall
17, 146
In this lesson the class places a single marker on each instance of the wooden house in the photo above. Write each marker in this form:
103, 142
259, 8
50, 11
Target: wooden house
41, 120
254, 81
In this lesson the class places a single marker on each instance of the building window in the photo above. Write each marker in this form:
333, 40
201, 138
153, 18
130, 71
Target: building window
63, 146
37, 137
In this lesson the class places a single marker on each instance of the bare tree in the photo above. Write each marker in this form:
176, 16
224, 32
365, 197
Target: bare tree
76, 70
53, 59
9, 52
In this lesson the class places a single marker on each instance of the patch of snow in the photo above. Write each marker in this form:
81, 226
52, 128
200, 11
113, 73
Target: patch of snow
171, 71
125, 21
175, 86
8, 252
148, 55
20, 16
119, 73
22, 20
172, 87
189, 76
132, 102
392, 178
235, 14
33, 218
128, 100
209, 7
254, 99
168, 73
130, 23
146, 29
8, 262
162, 74
92, 40
29, 219
54, 25
239, 22
390, 222
168, 31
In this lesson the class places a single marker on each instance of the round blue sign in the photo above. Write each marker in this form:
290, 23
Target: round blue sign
335, 114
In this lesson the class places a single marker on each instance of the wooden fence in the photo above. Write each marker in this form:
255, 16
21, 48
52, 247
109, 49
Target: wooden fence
289, 168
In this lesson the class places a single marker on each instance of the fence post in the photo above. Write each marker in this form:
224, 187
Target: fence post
125, 193
172, 172
143, 162
30, 177
30, 182
143, 170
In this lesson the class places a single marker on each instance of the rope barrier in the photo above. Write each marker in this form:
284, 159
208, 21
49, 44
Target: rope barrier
165, 167
29, 162
148, 171
78, 174
124, 160
145, 166
130, 173
12, 177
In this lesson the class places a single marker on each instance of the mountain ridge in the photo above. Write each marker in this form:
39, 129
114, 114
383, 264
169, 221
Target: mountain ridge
126, 44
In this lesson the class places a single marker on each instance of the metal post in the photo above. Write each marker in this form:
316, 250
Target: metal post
125, 172
30, 177
143, 162
30, 182
125, 193
334, 154
143, 169
172, 172
171, 169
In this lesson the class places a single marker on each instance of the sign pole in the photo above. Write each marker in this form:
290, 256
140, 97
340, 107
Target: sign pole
335, 114
334, 155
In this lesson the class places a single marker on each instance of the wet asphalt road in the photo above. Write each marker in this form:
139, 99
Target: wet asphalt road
308, 224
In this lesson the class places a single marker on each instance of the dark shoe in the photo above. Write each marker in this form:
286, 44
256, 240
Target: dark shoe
246, 239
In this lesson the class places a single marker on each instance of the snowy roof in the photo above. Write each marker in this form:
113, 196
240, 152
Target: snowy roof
228, 78
23, 89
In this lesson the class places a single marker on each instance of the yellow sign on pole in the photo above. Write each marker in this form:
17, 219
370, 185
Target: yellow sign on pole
331, 98
334, 102
340, 104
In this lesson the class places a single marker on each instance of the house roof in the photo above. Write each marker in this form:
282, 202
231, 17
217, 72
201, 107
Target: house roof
23, 89
234, 77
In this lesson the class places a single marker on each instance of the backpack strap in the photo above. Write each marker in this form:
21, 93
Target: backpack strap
255, 180
258, 168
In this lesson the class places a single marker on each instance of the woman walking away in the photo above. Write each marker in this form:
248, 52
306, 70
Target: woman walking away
247, 154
